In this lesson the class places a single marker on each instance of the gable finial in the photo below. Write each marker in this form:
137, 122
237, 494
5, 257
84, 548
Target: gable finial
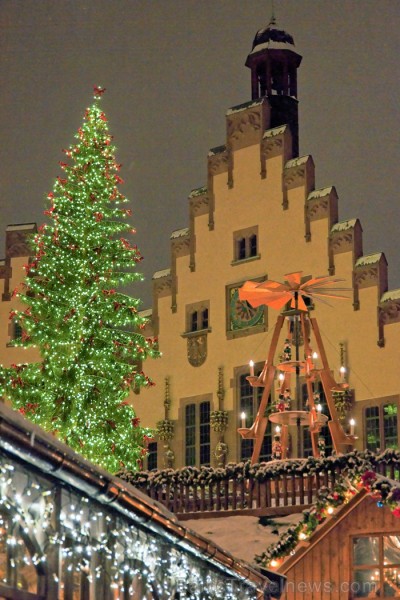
273, 19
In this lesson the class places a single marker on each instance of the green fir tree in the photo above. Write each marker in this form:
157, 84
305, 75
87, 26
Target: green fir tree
88, 332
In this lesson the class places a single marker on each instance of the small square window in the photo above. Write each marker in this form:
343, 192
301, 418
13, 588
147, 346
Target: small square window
245, 244
197, 316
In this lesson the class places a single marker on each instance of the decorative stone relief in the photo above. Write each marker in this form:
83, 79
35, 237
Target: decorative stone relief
218, 163
163, 286
199, 205
242, 123
272, 146
294, 177
197, 349
318, 208
16, 242
366, 276
389, 312
180, 246
341, 241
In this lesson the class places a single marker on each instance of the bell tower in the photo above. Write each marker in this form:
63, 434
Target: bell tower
273, 63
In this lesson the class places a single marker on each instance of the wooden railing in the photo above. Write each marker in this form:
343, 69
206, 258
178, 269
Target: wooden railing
280, 496
264, 490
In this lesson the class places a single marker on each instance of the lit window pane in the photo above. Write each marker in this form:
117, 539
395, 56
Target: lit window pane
390, 425
365, 583
391, 550
372, 427
391, 583
366, 551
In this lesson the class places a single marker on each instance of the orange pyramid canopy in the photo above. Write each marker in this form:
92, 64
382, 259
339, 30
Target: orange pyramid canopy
276, 295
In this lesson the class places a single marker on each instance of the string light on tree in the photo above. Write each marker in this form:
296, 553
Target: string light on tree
88, 332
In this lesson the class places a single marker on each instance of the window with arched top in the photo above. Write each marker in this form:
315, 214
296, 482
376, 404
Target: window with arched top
245, 245
198, 316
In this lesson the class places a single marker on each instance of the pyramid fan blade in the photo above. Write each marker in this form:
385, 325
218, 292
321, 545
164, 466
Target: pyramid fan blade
272, 285
294, 279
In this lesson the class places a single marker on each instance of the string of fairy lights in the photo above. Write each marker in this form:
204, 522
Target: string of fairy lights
96, 544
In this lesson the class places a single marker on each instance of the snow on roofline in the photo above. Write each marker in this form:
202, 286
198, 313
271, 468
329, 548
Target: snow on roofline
344, 225
275, 131
369, 259
216, 150
160, 274
244, 106
391, 295
179, 233
198, 192
320, 193
296, 162
20, 226
270, 45
146, 313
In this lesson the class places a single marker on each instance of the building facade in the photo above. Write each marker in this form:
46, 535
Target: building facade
260, 215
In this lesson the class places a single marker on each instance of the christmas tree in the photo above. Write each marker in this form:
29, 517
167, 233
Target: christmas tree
88, 332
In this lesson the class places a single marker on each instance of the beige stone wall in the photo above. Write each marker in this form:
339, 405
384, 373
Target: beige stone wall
296, 232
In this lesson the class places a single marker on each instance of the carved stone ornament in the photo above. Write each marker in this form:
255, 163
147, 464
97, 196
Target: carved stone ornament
218, 163
367, 276
272, 147
390, 312
17, 244
242, 123
199, 205
318, 208
341, 241
294, 177
197, 349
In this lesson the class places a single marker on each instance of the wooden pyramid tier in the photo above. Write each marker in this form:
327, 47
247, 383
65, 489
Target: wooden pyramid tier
300, 325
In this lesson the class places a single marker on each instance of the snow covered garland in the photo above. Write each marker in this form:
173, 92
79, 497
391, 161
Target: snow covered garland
358, 471
385, 491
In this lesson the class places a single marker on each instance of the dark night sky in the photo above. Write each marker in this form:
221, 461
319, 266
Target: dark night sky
171, 69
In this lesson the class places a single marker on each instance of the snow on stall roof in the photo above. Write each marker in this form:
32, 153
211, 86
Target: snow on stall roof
147, 313
275, 131
244, 106
296, 162
179, 233
20, 226
198, 192
391, 295
160, 274
343, 225
243, 536
320, 193
369, 259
